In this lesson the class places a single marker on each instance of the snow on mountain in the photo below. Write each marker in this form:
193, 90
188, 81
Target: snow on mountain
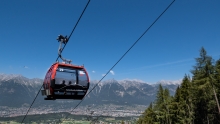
168, 82
132, 80
130, 91
20, 79
6, 77
127, 83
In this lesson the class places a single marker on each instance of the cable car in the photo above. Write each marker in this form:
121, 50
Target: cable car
64, 80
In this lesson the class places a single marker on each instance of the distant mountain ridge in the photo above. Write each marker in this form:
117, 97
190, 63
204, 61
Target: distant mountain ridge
22, 90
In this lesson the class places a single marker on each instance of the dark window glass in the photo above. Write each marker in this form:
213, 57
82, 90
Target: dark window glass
65, 75
68, 76
82, 78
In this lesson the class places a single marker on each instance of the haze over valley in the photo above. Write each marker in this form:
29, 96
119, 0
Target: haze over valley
115, 97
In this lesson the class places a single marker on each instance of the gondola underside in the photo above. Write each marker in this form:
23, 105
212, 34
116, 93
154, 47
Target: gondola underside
61, 91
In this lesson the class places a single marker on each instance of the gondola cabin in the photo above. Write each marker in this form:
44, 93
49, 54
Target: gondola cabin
65, 81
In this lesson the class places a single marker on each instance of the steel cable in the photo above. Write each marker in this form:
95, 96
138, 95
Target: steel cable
74, 27
124, 54
57, 58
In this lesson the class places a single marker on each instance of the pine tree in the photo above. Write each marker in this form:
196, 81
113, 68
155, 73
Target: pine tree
181, 105
217, 78
186, 100
195, 101
162, 106
148, 116
204, 90
175, 108
217, 86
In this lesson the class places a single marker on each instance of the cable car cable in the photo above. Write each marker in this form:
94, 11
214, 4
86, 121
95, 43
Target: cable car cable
74, 27
31, 105
125, 53
57, 58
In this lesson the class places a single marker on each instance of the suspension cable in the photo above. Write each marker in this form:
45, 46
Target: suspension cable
56, 59
74, 28
31, 104
124, 54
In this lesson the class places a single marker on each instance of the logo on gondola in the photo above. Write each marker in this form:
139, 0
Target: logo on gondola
60, 69
81, 73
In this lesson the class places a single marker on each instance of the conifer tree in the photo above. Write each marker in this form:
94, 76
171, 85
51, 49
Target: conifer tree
175, 108
195, 101
181, 105
204, 90
186, 100
217, 78
217, 86
162, 103
148, 116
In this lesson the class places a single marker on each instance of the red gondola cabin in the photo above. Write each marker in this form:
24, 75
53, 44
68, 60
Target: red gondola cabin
65, 81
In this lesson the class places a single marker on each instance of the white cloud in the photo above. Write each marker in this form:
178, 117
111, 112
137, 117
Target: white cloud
26, 67
112, 72
103, 75
93, 71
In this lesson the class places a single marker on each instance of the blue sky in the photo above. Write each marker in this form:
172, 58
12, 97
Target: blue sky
107, 29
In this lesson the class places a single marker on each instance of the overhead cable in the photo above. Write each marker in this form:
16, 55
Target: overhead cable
74, 28
57, 58
124, 54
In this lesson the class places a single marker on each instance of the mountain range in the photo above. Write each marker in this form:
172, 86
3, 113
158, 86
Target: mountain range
18, 91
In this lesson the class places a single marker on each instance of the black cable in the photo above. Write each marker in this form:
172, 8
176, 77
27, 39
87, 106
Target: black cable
57, 58
124, 54
74, 28
31, 104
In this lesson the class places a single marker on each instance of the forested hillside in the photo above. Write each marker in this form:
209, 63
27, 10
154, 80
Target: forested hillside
196, 100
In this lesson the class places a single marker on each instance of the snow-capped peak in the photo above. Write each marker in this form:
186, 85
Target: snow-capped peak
131, 80
110, 81
20, 79
6, 77
169, 82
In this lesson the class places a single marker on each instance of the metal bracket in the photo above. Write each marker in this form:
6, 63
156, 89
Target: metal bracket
62, 40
